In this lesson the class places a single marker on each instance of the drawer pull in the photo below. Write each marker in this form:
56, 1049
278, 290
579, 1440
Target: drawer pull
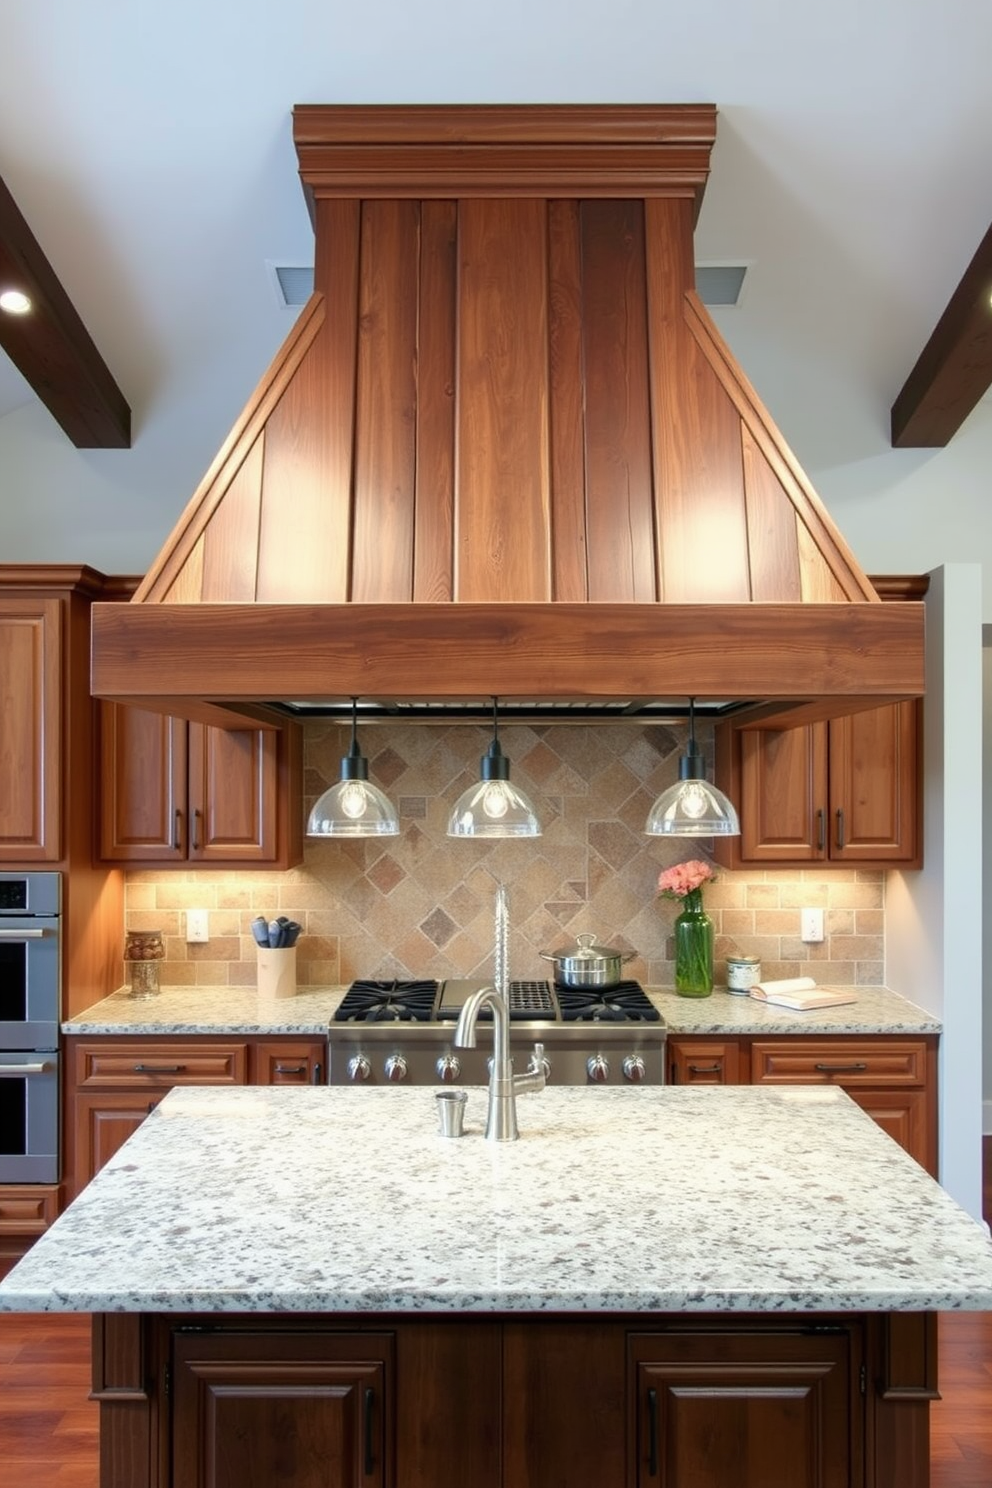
159, 1069
290, 1069
840, 1069
704, 1069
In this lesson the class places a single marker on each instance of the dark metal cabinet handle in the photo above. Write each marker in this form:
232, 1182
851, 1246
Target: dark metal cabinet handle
704, 1069
177, 834
840, 826
317, 1075
195, 844
369, 1442
290, 1069
653, 1433
159, 1069
821, 829
840, 1069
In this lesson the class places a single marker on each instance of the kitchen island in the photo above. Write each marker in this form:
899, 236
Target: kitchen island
653, 1286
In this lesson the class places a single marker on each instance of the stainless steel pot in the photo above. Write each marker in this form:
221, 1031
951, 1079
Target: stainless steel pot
586, 964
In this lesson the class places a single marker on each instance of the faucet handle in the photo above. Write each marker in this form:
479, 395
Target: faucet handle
539, 1063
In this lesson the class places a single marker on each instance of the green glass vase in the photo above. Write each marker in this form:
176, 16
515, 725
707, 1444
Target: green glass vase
693, 948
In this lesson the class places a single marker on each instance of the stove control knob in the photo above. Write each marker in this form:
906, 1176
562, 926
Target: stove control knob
448, 1067
633, 1069
598, 1069
395, 1068
359, 1068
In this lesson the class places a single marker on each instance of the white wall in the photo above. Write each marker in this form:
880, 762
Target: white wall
933, 921
987, 871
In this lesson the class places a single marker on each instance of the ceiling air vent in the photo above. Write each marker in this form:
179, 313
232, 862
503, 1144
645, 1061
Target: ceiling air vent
719, 284
716, 284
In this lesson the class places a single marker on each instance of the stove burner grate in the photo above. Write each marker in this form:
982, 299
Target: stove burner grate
627, 1002
388, 1002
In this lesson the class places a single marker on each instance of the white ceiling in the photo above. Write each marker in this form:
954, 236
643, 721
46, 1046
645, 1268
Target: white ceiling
149, 147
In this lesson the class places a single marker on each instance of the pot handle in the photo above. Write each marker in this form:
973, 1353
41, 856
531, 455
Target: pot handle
547, 955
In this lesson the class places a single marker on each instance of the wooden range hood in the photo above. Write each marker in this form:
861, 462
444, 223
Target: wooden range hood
505, 451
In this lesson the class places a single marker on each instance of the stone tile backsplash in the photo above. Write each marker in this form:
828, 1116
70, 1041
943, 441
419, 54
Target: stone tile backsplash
421, 904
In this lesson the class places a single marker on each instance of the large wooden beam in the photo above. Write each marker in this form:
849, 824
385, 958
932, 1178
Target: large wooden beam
256, 653
954, 369
51, 347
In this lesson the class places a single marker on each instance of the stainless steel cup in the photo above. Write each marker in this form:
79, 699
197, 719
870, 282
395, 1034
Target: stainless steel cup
450, 1112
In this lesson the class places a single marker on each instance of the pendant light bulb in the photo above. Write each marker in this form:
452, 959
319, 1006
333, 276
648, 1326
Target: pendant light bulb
354, 807
492, 807
692, 807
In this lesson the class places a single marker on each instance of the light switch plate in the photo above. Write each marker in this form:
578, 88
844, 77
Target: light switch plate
812, 924
197, 926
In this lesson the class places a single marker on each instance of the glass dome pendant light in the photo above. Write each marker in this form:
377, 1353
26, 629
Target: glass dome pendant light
353, 807
493, 807
692, 807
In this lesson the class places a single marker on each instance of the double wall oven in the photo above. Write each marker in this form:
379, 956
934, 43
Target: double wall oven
30, 979
386, 1032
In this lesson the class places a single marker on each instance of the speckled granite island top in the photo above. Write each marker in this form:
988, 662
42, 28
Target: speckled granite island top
327, 1200
219, 1010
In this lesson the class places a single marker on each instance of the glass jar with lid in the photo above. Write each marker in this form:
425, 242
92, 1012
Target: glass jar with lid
144, 951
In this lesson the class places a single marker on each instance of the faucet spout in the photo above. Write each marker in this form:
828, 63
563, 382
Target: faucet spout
501, 1119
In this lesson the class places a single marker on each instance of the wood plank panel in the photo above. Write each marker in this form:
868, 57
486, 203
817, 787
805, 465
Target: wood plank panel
305, 538
230, 542
619, 506
434, 536
386, 400
570, 580
773, 558
698, 468
31, 732
232, 652
818, 582
502, 511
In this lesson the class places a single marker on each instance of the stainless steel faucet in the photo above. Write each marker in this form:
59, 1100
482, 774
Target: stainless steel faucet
504, 1085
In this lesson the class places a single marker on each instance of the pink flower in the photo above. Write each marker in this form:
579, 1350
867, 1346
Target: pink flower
682, 878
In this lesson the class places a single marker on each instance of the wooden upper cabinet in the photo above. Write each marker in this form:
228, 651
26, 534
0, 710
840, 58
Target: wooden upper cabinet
31, 739
844, 792
178, 793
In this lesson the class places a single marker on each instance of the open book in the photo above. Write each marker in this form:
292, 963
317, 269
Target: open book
801, 993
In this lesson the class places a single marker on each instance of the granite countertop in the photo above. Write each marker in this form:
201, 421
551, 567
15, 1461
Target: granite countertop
239, 1010
662, 1199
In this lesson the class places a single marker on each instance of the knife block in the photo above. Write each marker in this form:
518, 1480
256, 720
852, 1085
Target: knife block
276, 973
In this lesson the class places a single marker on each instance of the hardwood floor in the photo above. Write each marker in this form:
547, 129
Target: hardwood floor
48, 1427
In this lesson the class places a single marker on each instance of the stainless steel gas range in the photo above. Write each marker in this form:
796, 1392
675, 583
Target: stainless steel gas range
386, 1032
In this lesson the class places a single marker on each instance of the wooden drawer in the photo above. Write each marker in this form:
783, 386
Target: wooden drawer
100, 1066
848, 1062
703, 1061
27, 1210
278, 1062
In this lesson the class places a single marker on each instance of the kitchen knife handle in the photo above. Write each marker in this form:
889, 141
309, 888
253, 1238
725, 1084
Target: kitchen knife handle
177, 833
652, 1433
840, 826
195, 844
821, 837
369, 1441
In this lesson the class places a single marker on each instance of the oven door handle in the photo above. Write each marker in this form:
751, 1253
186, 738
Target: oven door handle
11, 1071
21, 934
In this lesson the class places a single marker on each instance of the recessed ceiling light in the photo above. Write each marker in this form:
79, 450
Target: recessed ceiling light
14, 302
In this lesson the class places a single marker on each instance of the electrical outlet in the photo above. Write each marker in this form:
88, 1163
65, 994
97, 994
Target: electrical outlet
197, 926
812, 924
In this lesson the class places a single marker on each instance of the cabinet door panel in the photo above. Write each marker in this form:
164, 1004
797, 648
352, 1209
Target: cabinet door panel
276, 1062
874, 785
703, 1062
905, 1115
31, 734
253, 1411
233, 779
783, 794
102, 1123
143, 786
755, 1412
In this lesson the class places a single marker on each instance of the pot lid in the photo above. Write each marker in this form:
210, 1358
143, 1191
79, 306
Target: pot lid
585, 948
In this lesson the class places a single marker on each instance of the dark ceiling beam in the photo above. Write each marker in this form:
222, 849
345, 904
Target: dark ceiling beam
954, 369
51, 347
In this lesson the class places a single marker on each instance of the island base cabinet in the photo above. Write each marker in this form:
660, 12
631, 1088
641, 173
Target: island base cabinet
264, 1410
769, 1410
659, 1400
